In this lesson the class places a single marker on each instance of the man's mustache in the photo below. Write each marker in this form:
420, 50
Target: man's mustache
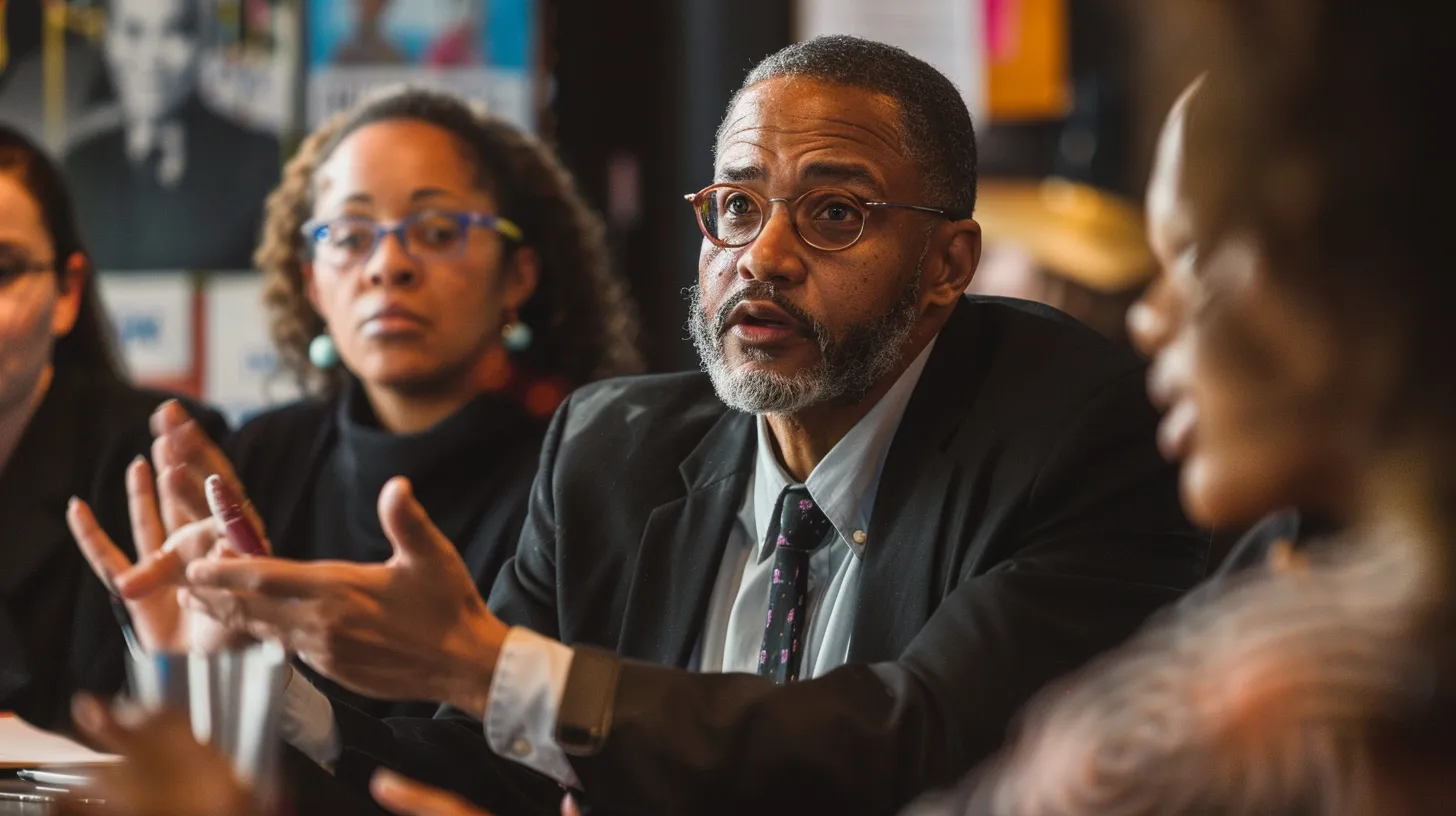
762, 290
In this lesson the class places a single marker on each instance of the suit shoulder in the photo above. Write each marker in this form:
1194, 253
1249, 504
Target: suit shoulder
680, 397
1028, 374
648, 418
1033, 331
1047, 362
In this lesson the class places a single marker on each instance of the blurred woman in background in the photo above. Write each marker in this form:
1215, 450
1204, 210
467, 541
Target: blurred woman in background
1301, 339
70, 425
438, 284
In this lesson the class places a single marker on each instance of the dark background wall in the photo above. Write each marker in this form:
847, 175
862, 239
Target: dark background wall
643, 85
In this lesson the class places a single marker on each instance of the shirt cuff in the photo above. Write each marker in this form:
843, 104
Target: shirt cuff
308, 721
525, 697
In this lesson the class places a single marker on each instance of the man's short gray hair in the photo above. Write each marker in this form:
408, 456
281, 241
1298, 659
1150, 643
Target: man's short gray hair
935, 127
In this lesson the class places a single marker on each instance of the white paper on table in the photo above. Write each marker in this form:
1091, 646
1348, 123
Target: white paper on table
22, 745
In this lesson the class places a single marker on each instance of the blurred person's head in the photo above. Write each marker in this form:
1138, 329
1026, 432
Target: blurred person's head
1300, 328
152, 48
49, 312
1239, 371
491, 233
792, 313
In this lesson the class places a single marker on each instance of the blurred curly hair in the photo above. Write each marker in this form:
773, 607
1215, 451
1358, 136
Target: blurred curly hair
585, 323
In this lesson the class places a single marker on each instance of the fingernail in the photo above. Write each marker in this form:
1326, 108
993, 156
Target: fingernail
72, 502
384, 781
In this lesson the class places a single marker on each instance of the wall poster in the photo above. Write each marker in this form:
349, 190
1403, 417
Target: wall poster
166, 115
484, 50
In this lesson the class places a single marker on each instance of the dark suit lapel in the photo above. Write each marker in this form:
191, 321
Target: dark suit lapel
682, 547
909, 540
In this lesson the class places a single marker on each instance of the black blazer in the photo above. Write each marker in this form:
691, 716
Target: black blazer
57, 632
1024, 522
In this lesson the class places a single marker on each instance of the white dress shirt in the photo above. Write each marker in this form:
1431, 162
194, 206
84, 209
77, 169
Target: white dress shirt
531, 673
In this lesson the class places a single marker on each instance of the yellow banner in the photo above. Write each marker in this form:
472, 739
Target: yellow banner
1027, 59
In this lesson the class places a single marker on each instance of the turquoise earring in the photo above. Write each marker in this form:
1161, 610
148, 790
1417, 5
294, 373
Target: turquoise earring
516, 336
322, 352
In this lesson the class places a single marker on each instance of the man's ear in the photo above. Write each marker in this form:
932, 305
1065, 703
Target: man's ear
68, 303
957, 253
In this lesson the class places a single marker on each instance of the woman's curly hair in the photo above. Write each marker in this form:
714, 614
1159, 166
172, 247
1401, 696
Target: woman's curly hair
585, 324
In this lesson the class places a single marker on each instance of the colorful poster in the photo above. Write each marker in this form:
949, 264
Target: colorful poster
1027, 74
241, 375
481, 49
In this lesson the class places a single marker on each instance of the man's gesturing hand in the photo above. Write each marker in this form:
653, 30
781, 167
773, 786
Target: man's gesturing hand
412, 628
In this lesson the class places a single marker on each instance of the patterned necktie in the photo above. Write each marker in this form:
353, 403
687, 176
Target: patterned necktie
802, 528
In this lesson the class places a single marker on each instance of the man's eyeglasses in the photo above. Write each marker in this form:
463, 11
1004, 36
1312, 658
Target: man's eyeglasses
824, 218
426, 236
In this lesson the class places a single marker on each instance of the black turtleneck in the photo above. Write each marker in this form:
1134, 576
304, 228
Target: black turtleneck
451, 465
314, 471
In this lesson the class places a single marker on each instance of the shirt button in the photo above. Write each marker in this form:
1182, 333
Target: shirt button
860, 536
520, 748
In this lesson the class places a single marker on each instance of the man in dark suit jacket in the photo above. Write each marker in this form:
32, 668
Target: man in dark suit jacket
978, 477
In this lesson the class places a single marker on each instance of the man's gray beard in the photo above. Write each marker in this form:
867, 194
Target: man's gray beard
848, 367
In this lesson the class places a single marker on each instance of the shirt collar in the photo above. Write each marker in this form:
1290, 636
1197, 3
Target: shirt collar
845, 481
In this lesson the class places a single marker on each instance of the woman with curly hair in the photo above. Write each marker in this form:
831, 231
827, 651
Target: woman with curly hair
437, 284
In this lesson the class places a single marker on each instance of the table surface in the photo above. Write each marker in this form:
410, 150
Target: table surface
20, 798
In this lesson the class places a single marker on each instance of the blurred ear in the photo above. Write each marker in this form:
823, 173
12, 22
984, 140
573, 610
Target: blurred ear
522, 276
68, 302
952, 263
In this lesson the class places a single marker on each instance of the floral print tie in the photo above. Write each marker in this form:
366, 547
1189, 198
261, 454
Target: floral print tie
802, 529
